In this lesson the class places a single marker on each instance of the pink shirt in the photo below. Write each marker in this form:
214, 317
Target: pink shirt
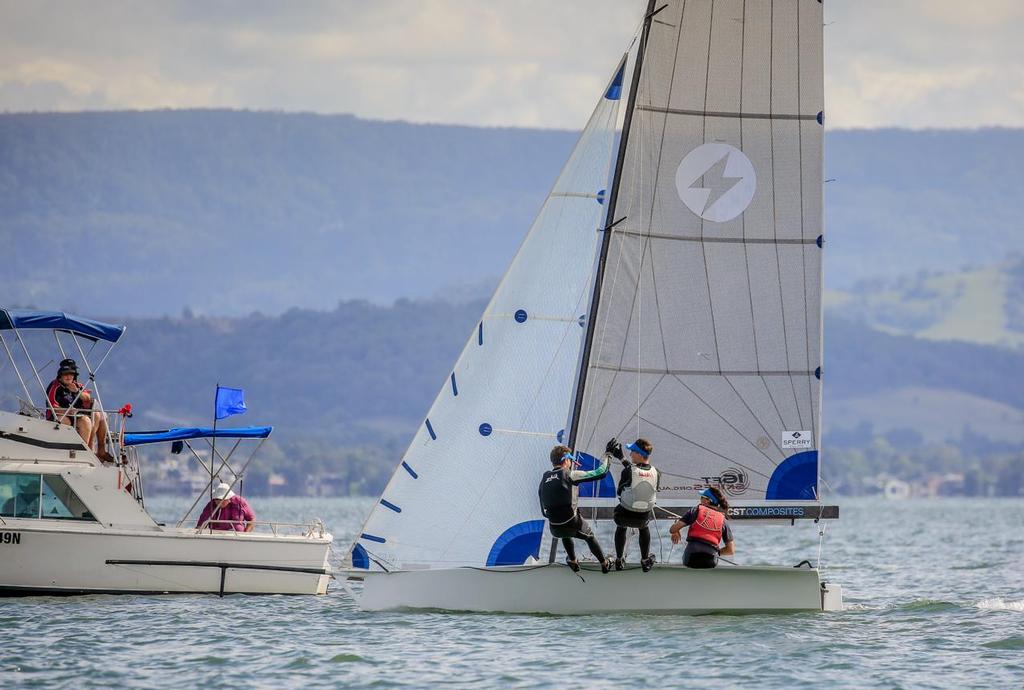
236, 512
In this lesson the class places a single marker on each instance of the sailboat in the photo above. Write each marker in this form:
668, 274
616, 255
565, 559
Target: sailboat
669, 288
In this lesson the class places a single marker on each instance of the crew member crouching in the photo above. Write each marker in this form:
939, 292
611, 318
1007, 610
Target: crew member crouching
708, 528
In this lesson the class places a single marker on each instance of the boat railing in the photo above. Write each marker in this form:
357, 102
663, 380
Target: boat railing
309, 530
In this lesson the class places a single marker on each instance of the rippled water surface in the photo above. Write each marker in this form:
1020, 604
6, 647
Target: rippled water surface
934, 598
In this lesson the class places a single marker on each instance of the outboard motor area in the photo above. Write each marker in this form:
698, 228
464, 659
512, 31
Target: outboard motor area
831, 597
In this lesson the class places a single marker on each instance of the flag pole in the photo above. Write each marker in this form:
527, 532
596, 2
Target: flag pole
213, 445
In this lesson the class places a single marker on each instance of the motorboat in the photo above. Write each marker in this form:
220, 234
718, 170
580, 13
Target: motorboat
73, 523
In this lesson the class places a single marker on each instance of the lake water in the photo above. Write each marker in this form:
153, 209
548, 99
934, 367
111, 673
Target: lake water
934, 598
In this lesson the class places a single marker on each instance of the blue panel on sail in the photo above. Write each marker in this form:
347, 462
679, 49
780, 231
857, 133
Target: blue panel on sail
603, 488
360, 559
614, 91
795, 479
517, 543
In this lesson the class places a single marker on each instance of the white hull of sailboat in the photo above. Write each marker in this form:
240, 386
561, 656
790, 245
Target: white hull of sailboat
556, 589
43, 559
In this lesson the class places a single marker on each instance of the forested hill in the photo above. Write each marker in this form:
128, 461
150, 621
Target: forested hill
363, 373
227, 212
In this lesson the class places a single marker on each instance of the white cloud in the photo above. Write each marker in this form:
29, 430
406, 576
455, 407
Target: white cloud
910, 63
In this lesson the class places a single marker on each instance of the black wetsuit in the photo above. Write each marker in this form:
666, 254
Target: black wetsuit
557, 494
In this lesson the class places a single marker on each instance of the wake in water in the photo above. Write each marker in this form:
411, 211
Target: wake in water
1000, 605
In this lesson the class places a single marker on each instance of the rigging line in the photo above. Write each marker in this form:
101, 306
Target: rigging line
584, 411
775, 208
656, 200
705, 448
803, 254
703, 247
743, 216
730, 424
606, 237
743, 400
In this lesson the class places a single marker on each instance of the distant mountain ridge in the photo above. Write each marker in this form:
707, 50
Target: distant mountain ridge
229, 212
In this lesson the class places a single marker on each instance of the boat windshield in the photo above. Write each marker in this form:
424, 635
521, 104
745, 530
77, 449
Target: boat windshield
37, 496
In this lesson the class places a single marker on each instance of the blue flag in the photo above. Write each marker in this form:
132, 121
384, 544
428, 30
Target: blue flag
229, 401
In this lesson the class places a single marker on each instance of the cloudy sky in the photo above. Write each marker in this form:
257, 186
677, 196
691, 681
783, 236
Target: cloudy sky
535, 63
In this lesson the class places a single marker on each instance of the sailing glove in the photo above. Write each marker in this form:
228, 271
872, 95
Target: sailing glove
615, 448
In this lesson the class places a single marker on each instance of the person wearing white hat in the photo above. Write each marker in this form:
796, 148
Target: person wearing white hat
227, 511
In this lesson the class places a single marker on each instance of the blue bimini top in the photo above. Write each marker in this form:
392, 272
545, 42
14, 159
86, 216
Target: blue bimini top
140, 438
59, 321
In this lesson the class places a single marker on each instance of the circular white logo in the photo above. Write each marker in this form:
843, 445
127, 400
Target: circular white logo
716, 181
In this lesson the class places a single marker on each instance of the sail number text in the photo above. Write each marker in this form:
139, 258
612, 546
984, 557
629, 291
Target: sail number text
13, 538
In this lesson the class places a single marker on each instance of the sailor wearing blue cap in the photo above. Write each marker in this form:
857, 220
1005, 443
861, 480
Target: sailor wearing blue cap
638, 493
708, 528
558, 493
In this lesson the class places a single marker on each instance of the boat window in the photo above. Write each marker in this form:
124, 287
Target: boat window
34, 496
19, 495
60, 502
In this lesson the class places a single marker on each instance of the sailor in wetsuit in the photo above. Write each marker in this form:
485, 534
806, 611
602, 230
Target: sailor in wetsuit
708, 528
638, 492
558, 494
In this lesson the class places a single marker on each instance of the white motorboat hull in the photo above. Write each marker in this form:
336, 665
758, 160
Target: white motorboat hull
556, 589
51, 558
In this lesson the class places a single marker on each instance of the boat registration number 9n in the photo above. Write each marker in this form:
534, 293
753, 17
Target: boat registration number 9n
13, 538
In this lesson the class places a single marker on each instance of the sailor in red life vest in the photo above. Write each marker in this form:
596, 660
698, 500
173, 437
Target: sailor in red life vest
708, 528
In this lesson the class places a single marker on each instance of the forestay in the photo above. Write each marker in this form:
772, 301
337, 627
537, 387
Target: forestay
707, 334
465, 492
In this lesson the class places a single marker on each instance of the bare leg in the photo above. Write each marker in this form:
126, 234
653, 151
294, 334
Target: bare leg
100, 431
84, 426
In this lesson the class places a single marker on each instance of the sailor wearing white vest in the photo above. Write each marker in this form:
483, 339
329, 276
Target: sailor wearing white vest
638, 493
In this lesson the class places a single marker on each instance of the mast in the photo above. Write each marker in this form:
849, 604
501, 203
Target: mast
610, 222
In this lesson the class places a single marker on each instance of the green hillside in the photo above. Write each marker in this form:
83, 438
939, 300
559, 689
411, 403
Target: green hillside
980, 305
347, 388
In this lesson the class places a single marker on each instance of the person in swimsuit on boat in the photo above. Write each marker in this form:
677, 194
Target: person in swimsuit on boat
558, 493
708, 529
638, 489
72, 404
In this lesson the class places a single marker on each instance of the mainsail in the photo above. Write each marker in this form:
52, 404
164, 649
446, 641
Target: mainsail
706, 334
465, 492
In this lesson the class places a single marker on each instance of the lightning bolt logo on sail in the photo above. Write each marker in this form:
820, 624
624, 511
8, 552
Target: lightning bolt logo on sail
716, 181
